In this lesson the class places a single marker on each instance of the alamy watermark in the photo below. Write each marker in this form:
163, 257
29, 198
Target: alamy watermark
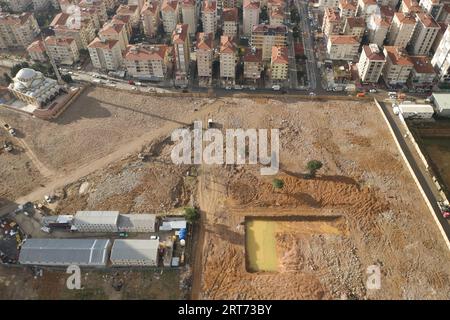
374, 277
74, 280
236, 148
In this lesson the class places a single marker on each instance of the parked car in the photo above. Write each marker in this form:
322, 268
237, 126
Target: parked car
373, 90
131, 82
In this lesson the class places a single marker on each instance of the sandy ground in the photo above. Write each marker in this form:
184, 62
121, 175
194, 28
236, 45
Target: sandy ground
92, 153
363, 181
95, 284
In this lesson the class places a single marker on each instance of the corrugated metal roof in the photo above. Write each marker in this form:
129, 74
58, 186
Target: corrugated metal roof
96, 217
442, 99
133, 221
419, 108
64, 252
132, 249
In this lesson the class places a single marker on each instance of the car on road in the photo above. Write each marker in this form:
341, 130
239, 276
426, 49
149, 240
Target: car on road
312, 94
227, 88
131, 82
373, 90
133, 88
276, 87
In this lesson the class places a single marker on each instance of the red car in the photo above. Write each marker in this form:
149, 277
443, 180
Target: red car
131, 82
446, 214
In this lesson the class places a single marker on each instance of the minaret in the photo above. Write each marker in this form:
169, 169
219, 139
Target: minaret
52, 62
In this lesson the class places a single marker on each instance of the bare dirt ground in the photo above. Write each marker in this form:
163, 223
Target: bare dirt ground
363, 180
95, 284
92, 151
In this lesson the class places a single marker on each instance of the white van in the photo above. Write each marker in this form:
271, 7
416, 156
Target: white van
276, 87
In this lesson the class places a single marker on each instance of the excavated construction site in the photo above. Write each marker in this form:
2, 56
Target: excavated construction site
312, 239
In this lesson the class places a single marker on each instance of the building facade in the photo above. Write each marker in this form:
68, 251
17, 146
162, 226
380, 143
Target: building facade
264, 37
342, 47
147, 62
251, 9
401, 29
227, 60
105, 54
279, 63
370, 64
17, 30
398, 65
424, 34
62, 50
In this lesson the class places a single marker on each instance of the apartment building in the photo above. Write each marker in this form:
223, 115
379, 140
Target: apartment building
205, 56
97, 7
124, 20
17, 30
432, 7
169, 13
355, 26
132, 11
445, 14
19, 5
422, 73
83, 32
347, 8
342, 47
209, 16
181, 46
401, 29
253, 64
410, 6
111, 31
230, 22
377, 28
39, 5
264, 37
150, 15
189, 15
279, 63
439, 37
332, 23
139, 3
424, 34
62, 50
323, 4
229, 3
441, 58
276, 15
251, 9
365, 8
227, 60
147, 62
398, 65
105, 54
370, 64
36, 51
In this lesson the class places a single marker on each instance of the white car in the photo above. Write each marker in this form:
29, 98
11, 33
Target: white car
312, 94
46, 229
228, 88
133, 88
373, 90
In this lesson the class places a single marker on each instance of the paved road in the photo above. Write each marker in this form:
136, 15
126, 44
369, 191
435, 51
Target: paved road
308, 42
420, 172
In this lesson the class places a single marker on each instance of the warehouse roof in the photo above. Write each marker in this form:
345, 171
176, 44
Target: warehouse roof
136, 220
133, 249
442, 100
97, 217
418, 108
64, 252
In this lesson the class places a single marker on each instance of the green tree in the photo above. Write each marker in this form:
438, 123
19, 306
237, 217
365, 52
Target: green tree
16, 68
313, 166
278, 183
7, 78
191, 214
67, 78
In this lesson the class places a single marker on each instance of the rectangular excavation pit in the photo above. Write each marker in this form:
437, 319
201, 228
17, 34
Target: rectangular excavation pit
260, 236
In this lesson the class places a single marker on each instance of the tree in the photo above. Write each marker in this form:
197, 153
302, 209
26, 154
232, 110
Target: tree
191, 214
313, 166
278, 183
16, 68
7, 78
67, 78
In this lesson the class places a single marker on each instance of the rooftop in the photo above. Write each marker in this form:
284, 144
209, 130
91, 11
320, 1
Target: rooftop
60, 42
269, 29
356, 22
96, 217
149, 8
133, 249
343, 39
398, 56
422, 64
405, 18
280, 55
251, 4
230, 14
36, 46
180, 33
205, 41
145, 53
373, 52
427, 20
64, 252
169, 5
252, 55
227, 45
347, 4
209, 6
14, 19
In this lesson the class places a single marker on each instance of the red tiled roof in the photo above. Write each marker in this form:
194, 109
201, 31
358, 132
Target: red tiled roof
356, 22
251, 4
405, 18
252, 55
14, 19
144, 53
373, 53
36, 46
149, 8
230, 14
102, 44
204, 41
180, 33
422, 64
169, 5
227, 45
427, 20
209, 5
61, 42
280, 55
398, 56
346, 39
